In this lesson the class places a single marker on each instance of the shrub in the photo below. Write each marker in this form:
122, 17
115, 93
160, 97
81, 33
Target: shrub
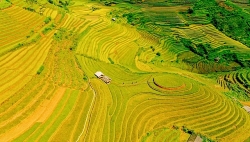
58, 36
130, 17
29, 9
158, 54
153, 49
40, 70
48, 29
47, 20
140, 50
111, 61
85, 78
51, 1
74, 45
190, 11
95, 8
61, 3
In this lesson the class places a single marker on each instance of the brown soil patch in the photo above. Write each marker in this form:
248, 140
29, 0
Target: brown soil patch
222, 4
246, 103
42, 35
51, 105
40, 114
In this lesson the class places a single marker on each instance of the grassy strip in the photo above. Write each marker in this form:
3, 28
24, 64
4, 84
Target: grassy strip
71, 123
57, 110
27, 133
24, 115
80, 125
247, 140
66, 110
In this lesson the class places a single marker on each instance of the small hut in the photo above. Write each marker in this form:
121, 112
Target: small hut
247, 108
103, 77
99, 74
113, 19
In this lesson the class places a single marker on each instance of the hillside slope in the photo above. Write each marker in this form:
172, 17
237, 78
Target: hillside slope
160, 90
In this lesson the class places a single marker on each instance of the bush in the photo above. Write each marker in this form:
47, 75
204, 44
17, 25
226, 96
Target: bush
61, 3
47, 20
111, 61
58, 36
51, 1
48, 29
158, 54
190, 11
29, 9
153, 49
85, 78
130, 17
107, 3
186, 130
40, 70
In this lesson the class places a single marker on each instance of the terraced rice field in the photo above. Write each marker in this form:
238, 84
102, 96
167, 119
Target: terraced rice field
148, 99
241, 78
20, 21
208, 34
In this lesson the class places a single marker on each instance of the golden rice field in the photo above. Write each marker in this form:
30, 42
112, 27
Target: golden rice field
149, 99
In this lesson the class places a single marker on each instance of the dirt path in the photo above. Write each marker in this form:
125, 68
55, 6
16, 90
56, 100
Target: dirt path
87, 122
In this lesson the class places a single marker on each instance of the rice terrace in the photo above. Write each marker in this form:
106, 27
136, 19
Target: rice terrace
125, 71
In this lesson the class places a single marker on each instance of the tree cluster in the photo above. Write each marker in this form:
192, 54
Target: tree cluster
224, 53
229, 19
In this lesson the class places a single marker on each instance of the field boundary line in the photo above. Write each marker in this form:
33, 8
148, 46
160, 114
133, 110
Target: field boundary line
89, 112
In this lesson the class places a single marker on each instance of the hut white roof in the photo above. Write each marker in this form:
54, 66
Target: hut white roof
247, 108
99, 74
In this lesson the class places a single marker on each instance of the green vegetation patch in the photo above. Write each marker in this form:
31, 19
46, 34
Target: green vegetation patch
47, 20
48, 29
154, 18
222, 54
69, 36
5, 4
27, 133
111, 61
247, 140
227, 17
40, 70
62, 3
